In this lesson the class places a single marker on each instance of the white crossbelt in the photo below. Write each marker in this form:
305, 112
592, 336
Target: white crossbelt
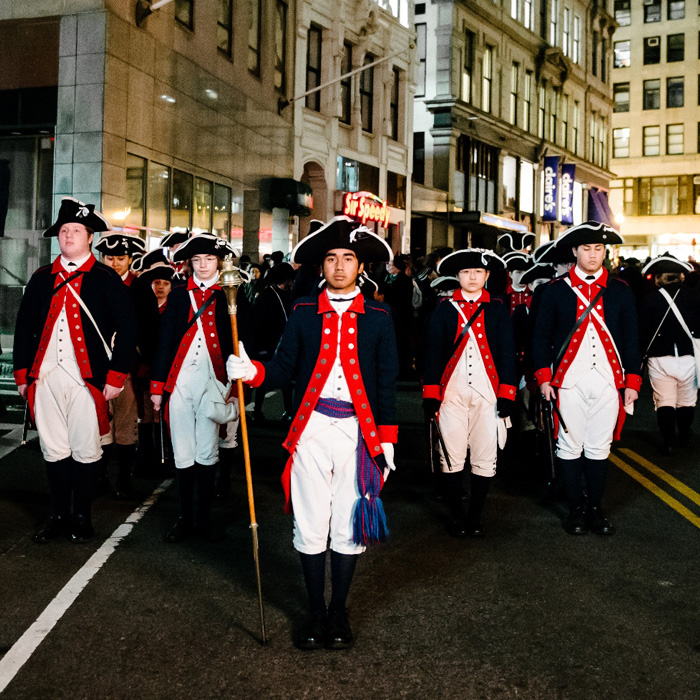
108, 350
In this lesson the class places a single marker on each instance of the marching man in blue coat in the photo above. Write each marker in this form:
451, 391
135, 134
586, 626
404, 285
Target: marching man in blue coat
586, 358
340, 347
469, 381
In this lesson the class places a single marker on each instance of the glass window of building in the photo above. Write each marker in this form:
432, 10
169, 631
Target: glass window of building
514, 85
541, 110
652, 11
158, 196
221, 214
367, 94
254, 30
420, 57
674, 92
651, 139
652, 50
622, 54
566, 32
346, 84
553, 115
528, 12
527, 188
468, 67
281, 46
575, 126
621, 95
593, 143
418, 174
396, 189
664, 196
604, 60
347, 174
621, 143
554, 23
135, 183
514, 7
313, 67
184, 13
675, 48
527, 100
652, 94
394, 103
603, 143
181, 202
201, 218
565, 121
576, 40
676, 9
594, 53
486, 78
224, 27
674, 139
622, 12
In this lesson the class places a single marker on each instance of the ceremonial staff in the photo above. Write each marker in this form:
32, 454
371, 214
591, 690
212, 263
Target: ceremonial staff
229, 280
25, 424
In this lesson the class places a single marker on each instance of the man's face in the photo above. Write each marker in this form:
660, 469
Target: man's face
473, 279
341, 269
74, 241
161, 288
206, 267
120, 263
589, 257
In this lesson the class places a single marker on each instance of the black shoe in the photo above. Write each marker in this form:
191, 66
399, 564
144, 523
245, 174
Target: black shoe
457, 527
54, 527
179, 531
474, 529
575, 524
338, 632
81, 529
598, 523
312, 635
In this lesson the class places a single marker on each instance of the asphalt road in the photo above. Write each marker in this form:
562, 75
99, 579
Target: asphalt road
526, 612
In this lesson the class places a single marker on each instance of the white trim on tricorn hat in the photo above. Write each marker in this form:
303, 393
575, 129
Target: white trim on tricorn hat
204, 244
120, 244
341, 232
445, 283
666, 263
516, 260
174, 238
539, 271
143, 262
73, 211
514, 241
589, 233
468, 259
157, 271
549, 253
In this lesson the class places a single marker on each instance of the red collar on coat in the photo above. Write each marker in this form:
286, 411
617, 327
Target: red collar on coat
85, 267
324, 303
459, 296
602, 281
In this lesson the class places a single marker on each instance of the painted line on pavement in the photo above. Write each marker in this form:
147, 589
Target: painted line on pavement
25, 646
656, 490
671, 480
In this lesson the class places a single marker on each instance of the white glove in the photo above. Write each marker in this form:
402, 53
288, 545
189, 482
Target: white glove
388, 448
233, 423
240, 367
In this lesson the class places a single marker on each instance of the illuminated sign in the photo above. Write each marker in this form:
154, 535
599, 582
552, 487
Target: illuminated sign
366, 206
551, 168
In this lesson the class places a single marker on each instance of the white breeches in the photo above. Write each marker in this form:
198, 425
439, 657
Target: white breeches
468, 422
673, 380
324, 485
590, 411
66, 419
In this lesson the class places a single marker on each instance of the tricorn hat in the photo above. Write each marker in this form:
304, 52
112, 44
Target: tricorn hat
539, 271
121, 244
341, 232
590, 232
279, 274
445, 284
666, 263
516, 260
174, 238
204, 244
73, 211
549, 253
470, 258
513, 240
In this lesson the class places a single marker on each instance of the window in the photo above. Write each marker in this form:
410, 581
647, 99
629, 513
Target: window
603, 143
254, 37
201, 215
661, 196
313, 67
622, 12
418, 157
553, 114
621, 96
420, 54
281, 46
346, 84
621, 143
528, 19
184, 13
394, 103
514, 83
676, 9
604, 60
565, 121
554, 23
479, 163
566, 32
468, 67
698, 90
347, 174
652, 50
575, 127
622, 54
594, 138
674, 92
576, 41
652, 94
675, 47
541, 110
221, 215
396, 189
652, 11
181, 202
651, 140
158, 196
514, 8
674, 139
594, 53
367, 94
486, 77
224, 27
135, 182
527, 100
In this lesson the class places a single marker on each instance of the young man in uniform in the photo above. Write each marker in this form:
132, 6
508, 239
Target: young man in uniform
469, 381
74, 343
340, 347
586, 358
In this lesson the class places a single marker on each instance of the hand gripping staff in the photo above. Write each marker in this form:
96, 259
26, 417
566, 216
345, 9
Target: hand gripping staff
229, 280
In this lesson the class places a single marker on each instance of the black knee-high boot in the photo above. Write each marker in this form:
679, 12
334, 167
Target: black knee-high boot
479, 490
223, 482
596, 472
205, 477
666, 418
60, 477
312, 634
84, 486
570, 473
342, 571
146, 450
125, 460
684, 419
183, 527
452, 492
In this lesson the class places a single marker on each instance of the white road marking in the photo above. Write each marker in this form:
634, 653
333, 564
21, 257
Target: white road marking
25, 646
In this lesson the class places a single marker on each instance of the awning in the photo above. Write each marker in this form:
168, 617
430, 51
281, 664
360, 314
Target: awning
599, 209
478, 221
286, 193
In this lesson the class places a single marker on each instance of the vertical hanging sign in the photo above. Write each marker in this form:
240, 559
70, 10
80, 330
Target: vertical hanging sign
568, 175
551, 166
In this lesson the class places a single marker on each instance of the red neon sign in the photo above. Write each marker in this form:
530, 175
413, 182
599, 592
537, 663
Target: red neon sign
366, 206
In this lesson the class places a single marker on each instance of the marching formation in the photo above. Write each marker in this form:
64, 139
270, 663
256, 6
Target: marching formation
141, 351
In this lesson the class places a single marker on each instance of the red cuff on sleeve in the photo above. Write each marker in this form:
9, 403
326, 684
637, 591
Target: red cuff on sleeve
506, 391
633, 381
543, 375
388, 433
157, 388
116, 379
21, 377
431, 391
259, 378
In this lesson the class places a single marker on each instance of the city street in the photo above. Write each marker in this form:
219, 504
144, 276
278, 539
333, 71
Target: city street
526, 612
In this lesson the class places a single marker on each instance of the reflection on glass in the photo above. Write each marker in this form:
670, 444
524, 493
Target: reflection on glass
202, 204
221, 221
181, 201
135, 168
158, 195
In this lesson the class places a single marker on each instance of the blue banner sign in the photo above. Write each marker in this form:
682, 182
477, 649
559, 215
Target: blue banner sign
566, 194
551, 166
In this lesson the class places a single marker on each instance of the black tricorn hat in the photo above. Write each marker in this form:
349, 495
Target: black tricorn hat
513, 240
341, 232
549, 253
539, 271
367, 284
143, 262
666, 263
204, 244
590, 232
121, 244
445, 283
279, 274
468, 259
516, 260
173, 238
73, 211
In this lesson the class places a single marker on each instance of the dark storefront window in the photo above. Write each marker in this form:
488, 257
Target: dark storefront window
396, 190
346, 85
479, 163
313, 68
418, 157
367, 94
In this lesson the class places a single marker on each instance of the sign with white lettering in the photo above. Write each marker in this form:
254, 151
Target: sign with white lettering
551, 167
366, 206
568, 175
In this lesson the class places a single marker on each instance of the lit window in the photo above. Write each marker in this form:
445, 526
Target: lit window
674, 139
652, 140
621, 143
